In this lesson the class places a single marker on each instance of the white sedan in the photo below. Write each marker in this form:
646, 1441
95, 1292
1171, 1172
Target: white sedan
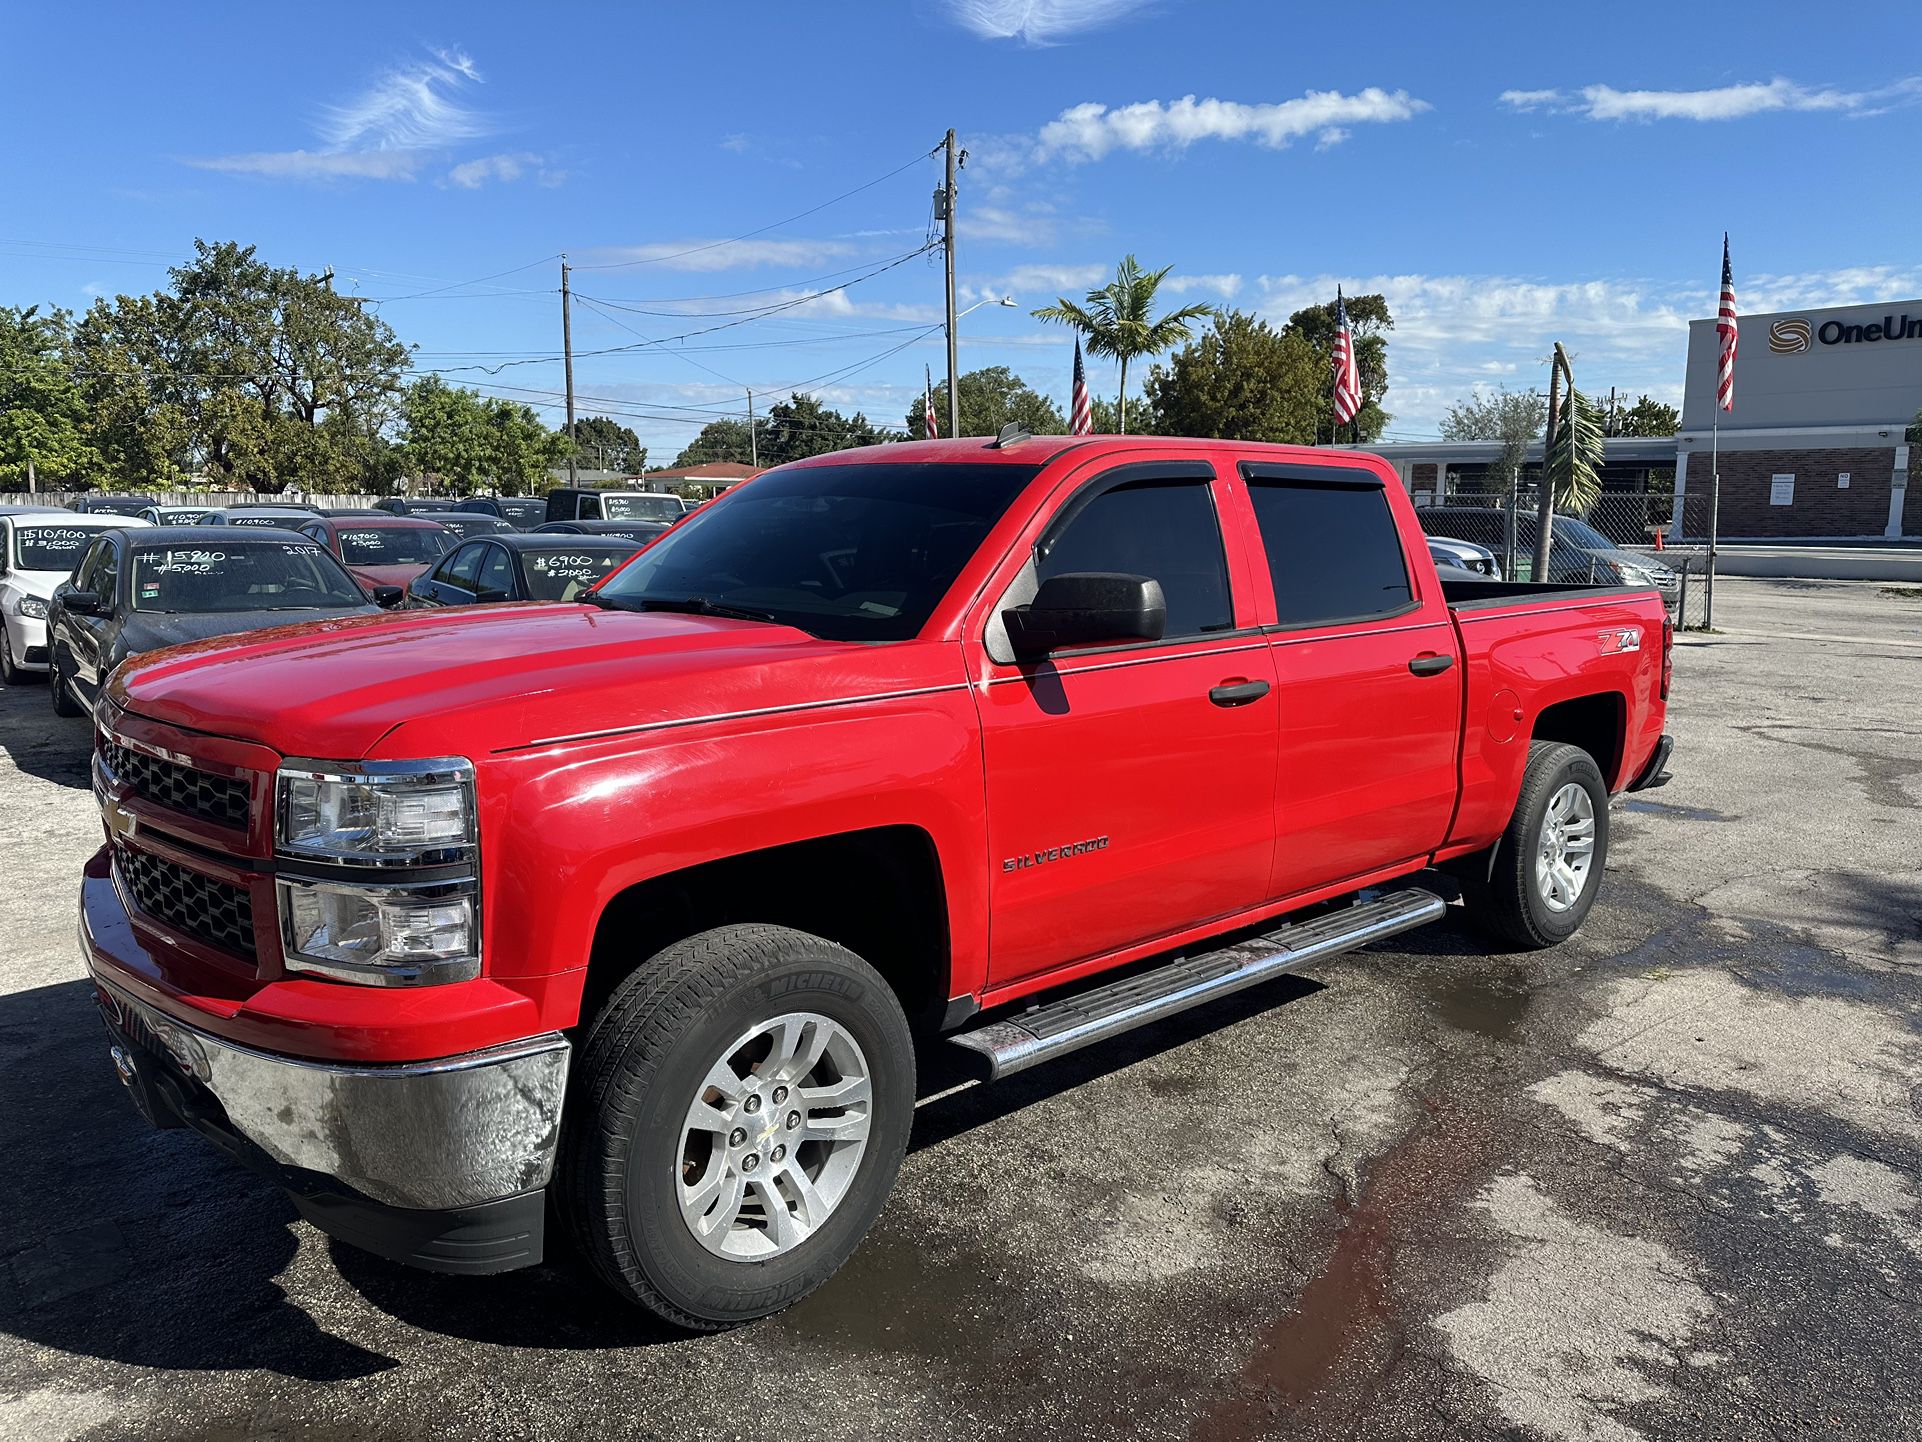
38, 550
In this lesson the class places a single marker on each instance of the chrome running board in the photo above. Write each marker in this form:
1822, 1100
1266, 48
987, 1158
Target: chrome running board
1059, 1027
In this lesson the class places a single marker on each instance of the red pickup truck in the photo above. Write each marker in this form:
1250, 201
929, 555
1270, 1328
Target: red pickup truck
632, 910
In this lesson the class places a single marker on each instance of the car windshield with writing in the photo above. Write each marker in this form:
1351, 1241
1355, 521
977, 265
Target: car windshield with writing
563, 573
392, 546
207, 576
848, 553
49, 548
641, 508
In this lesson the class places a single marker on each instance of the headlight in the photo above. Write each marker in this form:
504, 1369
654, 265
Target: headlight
33, 607
1633, 575
385, 813
381, 935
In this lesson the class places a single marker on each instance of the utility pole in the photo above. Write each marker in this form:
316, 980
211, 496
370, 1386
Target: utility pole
947, 247
753, 443
567, 353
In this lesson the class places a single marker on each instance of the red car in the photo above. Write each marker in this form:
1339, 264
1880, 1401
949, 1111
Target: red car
639, 905
381, 550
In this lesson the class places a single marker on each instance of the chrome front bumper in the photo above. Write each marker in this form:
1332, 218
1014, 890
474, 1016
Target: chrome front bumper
435, 1135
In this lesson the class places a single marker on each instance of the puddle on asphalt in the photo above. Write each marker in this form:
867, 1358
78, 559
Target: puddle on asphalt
1490, 1005
898, 1294
1643, 806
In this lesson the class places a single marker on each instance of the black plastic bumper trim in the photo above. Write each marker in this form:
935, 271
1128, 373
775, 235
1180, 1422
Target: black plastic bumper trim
1655, 773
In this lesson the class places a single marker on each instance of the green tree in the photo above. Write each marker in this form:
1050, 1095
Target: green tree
259, 377
1515, 418
1574, 461
1647, 417
1368, 319
606, 445
990, 399
1118, 321
722, 440
44, 440
801, 426
1243, 380
461, 441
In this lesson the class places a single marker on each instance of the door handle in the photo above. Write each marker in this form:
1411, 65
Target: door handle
1238, 693
1430, 665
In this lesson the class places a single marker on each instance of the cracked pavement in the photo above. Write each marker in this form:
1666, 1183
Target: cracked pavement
1662, 1182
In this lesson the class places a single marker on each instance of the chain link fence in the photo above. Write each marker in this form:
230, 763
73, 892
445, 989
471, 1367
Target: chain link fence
1625, 537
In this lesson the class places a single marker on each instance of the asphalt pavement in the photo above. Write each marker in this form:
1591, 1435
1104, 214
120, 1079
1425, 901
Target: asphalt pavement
1662, 1182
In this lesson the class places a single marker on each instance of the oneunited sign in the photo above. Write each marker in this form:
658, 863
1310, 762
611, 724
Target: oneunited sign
1794, 334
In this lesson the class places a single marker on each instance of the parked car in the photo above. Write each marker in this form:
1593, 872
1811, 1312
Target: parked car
694, 867
381, 550
27, 510
413, 505
585, 504
520, 567
473, 523
1579, 554
351, 511
643, 531
284, 518
176, 515
100, 505
38, 550
1462, 556
141, 589
523, 512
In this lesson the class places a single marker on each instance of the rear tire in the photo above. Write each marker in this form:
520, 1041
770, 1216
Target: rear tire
750, 1067
1535, 886
58, 688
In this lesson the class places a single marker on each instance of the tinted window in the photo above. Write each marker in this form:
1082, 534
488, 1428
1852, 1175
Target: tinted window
282, 521
1163, 529
524, 510
391, 546
208, 576
561, 575
470, 523
462, 571
497, 575
848, 552
641, 508
49, 548
106, 576
1333, 551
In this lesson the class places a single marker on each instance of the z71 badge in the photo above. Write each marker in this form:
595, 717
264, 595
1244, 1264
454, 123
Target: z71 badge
1629, 638
1054, 853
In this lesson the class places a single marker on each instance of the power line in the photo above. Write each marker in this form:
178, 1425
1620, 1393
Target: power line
639, 306
762, 230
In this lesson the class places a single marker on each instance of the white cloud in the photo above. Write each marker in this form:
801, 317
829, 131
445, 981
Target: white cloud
1331, 137
1037, 22
1727, 102
710, 255
1225, 286
507, 166
1091, 130
388, 132
736, 142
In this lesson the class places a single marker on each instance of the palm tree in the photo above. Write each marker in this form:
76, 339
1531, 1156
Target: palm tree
1116, 321
1574, 458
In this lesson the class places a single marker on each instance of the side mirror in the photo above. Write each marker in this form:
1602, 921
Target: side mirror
388, 596
82, 603
1087, 608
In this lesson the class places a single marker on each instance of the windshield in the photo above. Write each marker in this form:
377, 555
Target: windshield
180, 515
50, 548
1571, 532
392, 546
641, 508
563, 575
525, 510
471, 523
850, 553
287, 521
240, 576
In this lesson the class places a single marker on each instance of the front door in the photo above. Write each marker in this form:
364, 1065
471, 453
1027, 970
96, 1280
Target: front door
100, 575
1129, 788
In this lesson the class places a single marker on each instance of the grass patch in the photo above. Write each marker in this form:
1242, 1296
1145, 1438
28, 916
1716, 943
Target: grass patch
1906, 593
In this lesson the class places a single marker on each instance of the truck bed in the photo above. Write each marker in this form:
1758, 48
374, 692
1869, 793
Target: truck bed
1479, 595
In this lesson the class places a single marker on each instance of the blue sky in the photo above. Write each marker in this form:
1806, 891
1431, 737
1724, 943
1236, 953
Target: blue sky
1509, 175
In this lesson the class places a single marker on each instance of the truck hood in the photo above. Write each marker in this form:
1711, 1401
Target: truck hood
472, 680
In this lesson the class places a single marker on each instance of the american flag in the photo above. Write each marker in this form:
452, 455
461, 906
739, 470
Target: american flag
1347, 375
1080, 416
927, 401
1725, 333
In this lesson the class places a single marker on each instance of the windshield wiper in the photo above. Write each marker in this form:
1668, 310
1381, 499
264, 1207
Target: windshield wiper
604, 601
701, 606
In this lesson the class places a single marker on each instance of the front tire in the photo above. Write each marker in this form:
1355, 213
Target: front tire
10, 674
1536, 886
60, 688
739, 1112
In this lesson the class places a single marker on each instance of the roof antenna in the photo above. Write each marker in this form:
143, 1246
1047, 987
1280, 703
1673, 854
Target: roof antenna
1011, 434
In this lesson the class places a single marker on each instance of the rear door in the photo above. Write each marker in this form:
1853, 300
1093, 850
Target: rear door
454, 581
1367, 674
1129, 788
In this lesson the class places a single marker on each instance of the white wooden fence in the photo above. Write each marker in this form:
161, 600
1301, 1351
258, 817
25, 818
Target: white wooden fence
208, 499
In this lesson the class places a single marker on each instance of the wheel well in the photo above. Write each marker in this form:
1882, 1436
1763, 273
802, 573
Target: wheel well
876, 892
1594, 723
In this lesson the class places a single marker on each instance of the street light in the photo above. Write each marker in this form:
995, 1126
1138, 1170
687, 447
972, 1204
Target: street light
954, 371
1003, 300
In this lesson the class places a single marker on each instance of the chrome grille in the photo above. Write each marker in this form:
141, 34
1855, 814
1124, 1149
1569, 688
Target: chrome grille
185, 789
205, 908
